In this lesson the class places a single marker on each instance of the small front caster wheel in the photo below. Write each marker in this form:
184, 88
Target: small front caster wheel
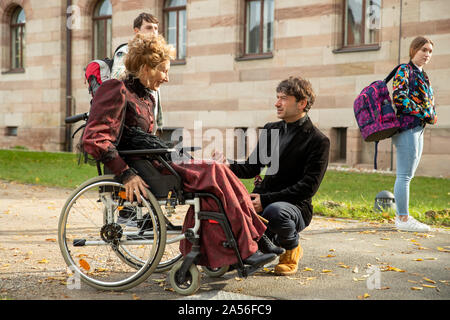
191, 283
215, 272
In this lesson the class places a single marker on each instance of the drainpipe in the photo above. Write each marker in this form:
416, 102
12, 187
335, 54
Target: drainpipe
68, 139
398, 62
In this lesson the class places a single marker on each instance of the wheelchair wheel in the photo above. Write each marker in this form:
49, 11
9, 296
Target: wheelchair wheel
191, 283
215, 272
171, 253
95, 246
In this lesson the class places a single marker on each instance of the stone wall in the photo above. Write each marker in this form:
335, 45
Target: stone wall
215, 86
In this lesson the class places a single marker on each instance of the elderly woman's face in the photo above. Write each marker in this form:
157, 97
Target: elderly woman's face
156, 77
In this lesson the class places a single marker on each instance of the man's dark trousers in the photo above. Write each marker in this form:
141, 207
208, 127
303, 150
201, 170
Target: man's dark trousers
285, 222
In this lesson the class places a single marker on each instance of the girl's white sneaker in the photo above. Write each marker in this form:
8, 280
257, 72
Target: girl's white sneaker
411, 225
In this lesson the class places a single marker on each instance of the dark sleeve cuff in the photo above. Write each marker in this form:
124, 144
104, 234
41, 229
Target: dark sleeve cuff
127, 175
117, 165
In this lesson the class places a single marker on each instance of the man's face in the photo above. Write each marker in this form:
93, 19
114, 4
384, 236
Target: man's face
288, 109
147, 27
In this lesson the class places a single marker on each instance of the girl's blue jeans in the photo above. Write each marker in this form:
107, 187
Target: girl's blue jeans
409, 145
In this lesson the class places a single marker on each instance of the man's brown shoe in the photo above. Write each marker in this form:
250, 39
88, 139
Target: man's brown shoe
288, 263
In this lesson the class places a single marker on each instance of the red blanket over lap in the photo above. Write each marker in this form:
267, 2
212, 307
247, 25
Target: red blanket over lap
247, 228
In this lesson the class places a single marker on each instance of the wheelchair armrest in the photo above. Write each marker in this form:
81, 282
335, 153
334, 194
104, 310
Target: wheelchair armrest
184, 149
143, 152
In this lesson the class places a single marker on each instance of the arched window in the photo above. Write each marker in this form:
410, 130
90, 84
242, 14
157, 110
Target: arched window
17, 27
102, 44
175, 25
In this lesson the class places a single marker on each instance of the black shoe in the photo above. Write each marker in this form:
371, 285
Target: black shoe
145, 224
127, 216
267, 246
259, 259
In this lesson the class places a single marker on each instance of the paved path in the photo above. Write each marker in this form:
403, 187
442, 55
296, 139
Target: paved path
343, 260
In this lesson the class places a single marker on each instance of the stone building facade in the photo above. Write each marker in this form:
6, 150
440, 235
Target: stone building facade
228, 67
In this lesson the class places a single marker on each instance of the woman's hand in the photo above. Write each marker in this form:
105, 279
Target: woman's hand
135, 185
219, 157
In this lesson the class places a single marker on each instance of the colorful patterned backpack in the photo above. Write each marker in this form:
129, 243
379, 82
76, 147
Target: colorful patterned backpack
374, 113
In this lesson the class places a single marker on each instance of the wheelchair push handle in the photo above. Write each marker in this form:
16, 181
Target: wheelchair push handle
77, 117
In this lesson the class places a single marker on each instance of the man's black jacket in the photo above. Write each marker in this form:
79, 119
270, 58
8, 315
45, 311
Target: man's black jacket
302, 163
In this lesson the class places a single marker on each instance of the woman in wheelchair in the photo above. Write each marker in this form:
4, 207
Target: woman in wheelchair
119, 107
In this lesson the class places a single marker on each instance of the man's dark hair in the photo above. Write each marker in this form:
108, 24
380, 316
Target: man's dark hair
144, 17
299, 88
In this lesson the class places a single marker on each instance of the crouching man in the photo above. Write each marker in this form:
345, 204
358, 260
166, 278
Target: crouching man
283, 197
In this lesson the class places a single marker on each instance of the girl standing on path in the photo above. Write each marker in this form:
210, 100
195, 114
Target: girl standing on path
414, 100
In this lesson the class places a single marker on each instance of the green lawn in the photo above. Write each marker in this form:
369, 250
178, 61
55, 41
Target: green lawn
341, 194
45, 168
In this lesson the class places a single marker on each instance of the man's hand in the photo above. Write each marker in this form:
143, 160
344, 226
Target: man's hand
256, 201
135, 185
219, 157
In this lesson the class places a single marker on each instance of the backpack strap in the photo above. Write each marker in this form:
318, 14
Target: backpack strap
375, 156
118, 48
391, 74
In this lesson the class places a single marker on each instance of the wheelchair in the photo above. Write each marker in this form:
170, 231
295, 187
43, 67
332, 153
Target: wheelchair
112, 244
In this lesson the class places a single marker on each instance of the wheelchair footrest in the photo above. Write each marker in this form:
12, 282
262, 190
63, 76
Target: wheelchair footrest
247, 270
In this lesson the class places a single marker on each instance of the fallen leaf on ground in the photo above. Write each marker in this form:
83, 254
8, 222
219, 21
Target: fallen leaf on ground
416, 288
43, 261
307, 269
442, 249
365, 296
429, 280
326, 271
159, 280
428, 286
389, 268
84, 264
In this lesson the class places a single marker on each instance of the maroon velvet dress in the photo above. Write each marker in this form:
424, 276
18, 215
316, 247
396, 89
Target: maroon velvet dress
120, 104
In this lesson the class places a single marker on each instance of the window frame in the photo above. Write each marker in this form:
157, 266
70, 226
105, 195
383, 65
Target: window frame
261, 54
12, 27
95, 19
359, 47
177, 9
